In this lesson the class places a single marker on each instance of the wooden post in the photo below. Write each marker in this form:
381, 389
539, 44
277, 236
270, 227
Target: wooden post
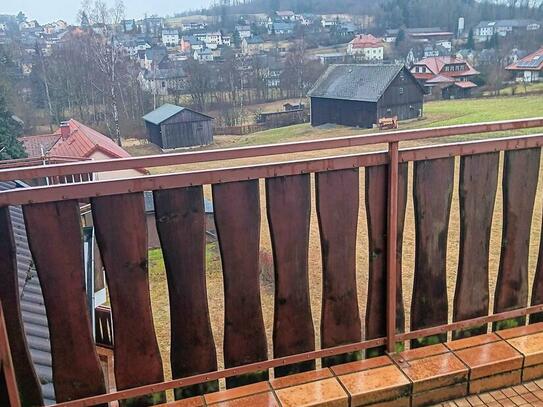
6, 367
391, 244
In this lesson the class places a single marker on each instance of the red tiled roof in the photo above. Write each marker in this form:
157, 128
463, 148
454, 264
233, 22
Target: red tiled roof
83, 141
527, 61
38, 145
436, 65
366, 41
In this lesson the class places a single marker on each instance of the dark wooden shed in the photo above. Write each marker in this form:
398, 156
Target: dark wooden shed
359, 95
172, 126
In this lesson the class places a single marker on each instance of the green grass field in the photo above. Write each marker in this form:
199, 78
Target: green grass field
438, 113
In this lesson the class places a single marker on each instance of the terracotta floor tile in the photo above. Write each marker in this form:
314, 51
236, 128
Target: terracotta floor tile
507, 403
300, 378
375, 385
520, 331
521, 389
518, 400
494, 404
531, 346
475, 401
538, 394
509, 392
237, 392
360, 365
256, 400
529, 397
326, 392
490, 358
539, 383
498, 395
531, 386
462, 403
472, 341
435, 371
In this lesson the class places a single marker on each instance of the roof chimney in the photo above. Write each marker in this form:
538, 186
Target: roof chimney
64, 130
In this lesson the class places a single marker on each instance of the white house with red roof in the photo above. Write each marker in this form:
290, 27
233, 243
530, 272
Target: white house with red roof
75, 140
366, 47
529, 68
450, 74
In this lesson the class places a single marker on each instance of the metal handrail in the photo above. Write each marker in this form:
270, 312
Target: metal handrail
266, 150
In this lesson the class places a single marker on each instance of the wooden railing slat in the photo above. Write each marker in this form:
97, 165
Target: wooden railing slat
520, 175
55, 240
121, 234
237, 219
180, 220
477, 194
288, 202
376, 193
432, 193
337, 195
27, 381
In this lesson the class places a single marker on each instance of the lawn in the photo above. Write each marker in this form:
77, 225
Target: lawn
436, 114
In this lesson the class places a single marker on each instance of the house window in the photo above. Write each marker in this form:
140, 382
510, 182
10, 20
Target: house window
401, 91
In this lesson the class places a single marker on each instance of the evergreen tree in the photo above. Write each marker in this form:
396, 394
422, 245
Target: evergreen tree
10, 129
471, 42
236, 39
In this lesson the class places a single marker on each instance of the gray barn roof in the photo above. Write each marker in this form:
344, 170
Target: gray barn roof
364, 83
164, 112
32, 305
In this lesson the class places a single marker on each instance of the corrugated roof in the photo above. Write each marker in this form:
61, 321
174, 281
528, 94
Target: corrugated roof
365, 83
32, 305
163, 113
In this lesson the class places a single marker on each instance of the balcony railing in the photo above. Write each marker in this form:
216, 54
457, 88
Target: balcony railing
52, 221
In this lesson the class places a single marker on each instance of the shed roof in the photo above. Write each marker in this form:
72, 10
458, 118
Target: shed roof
164, 112
365, 83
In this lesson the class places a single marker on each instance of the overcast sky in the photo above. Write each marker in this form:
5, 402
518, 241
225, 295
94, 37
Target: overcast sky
49, 10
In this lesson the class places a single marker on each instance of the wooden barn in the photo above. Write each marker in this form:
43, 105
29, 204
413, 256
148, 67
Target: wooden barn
359, 95
172, 126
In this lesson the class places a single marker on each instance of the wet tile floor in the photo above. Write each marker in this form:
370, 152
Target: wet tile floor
526, 394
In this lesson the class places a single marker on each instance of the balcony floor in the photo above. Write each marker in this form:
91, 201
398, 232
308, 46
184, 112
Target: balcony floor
495, 369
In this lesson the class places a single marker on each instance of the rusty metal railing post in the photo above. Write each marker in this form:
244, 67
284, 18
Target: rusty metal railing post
392, 234
6, 364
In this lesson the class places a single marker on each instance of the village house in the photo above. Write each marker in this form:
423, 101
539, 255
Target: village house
168, 78
451, 75
285, 15
153, 57
485, 30
360, 94
204, 55
366, 48
170, 38
211, 39
129, 26
244, 31
280, 28
75, 140
252, 45
189, 44
529, 68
